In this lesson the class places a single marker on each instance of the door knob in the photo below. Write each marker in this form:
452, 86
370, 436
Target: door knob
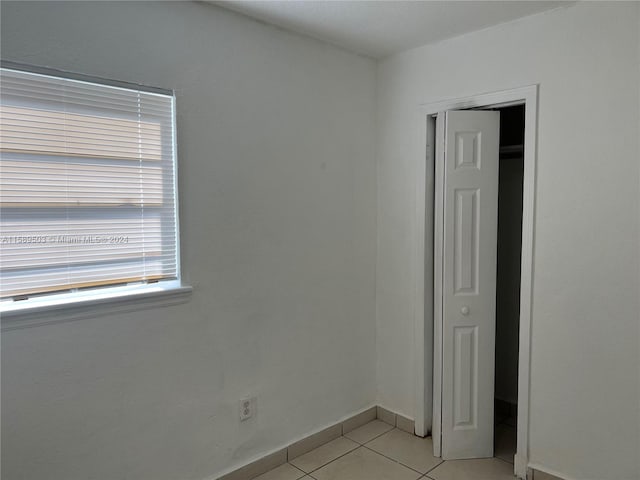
465, 310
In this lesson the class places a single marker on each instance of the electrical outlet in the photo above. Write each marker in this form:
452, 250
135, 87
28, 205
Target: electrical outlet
248, 407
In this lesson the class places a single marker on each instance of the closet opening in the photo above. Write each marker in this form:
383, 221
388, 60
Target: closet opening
509, 253
478, 188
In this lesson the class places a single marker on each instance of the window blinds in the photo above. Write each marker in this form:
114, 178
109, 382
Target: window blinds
87, 185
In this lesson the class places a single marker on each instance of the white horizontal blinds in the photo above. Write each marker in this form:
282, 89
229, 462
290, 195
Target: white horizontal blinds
87, 190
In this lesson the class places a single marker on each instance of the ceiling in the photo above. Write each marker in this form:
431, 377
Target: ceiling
381, 28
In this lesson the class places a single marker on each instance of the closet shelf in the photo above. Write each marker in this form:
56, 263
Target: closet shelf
511, 149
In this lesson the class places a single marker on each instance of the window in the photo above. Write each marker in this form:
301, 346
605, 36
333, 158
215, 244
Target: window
87, 186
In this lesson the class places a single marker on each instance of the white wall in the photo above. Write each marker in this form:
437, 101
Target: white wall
585, 340
276, 139
277, 200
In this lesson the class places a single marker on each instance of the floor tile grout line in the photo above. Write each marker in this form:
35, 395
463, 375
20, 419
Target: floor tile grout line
365, 445
359, 445
435, 466
331, 461
396, 461
377, 436
304, 474
377, 453
395, 428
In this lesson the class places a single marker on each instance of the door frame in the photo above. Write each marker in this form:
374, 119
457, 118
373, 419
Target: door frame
428, 288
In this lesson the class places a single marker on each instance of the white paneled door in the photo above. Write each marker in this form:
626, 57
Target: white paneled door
469, 201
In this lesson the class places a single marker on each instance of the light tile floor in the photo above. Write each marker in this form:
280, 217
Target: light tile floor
377, 451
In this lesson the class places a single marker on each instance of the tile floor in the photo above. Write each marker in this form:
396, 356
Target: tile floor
378, 451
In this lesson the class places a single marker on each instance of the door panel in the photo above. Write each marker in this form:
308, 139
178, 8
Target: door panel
465, 241
470, 220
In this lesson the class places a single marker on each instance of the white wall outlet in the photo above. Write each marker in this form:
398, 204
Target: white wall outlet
248, 407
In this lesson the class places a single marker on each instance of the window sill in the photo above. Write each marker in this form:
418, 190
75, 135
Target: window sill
113, 302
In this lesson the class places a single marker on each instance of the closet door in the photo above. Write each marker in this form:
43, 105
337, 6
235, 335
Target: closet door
469, 203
